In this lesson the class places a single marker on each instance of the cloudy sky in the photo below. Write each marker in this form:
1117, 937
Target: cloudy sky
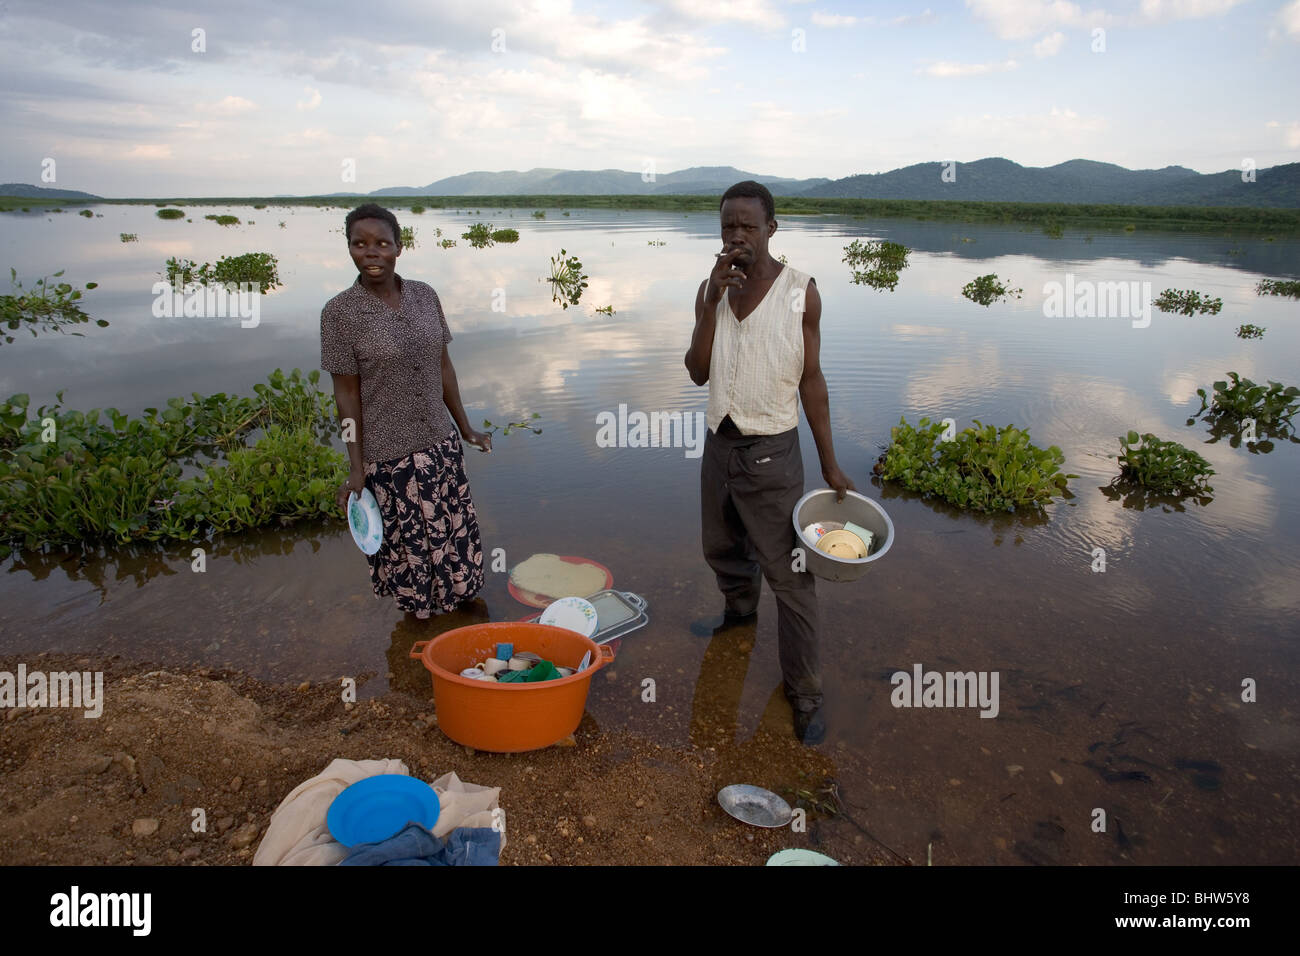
243, 98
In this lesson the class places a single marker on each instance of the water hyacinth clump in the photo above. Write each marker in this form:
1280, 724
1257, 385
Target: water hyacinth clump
988, 289
982, 468
260, 268
103, 476
223, 220
170, 214
1187, 302
479, 235
567, 279
1249, 331
48, 307
1287, 287
1163, 467
1237, 400
876, 263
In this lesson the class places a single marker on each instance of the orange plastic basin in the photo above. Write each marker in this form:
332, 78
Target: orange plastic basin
509, 718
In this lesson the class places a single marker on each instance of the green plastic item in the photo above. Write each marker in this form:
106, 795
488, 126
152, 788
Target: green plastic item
543, 670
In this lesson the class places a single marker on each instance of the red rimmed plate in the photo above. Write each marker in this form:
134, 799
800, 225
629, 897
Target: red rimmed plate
538, 600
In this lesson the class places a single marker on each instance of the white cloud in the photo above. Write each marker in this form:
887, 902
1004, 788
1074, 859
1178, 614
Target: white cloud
1021, 19
757, 13
945, 68
1049, 45
230, 106
832, 19
1290, 17
312, 101
1164, 10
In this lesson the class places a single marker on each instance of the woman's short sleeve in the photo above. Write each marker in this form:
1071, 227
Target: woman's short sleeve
442, 319
336, 355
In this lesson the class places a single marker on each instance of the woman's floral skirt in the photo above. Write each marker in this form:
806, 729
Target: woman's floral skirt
431, 558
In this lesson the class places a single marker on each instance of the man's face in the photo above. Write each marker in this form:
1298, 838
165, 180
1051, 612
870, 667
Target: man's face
745, 226
373, 249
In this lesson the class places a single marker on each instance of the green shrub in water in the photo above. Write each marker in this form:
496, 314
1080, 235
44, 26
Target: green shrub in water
988, 289
252, 267
224, 220
876, 263
1288, 287
479, 235
1164, 467
505, 235
1187, 302
983, 468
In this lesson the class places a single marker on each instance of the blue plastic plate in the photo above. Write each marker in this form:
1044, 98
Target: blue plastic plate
378, 807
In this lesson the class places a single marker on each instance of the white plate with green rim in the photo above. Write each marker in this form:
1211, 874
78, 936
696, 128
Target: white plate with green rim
364, 521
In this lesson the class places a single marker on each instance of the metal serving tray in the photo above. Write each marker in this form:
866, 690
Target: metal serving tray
617, 613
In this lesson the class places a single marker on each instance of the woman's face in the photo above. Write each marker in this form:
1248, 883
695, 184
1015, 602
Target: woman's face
373, 249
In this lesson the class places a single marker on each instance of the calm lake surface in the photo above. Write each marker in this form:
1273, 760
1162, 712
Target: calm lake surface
1120, 690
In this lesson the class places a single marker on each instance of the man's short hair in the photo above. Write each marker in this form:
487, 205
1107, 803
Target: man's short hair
750, 190
372, 210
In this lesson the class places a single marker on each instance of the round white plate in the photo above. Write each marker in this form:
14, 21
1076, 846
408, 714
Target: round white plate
575, 613
800, 858
364, 521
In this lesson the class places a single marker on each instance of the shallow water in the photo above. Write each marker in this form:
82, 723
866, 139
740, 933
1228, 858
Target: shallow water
1102, 676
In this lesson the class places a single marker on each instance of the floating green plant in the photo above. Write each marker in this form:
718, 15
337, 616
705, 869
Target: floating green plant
479, 235
128, 237
251, 267
87, 213
526, 423
223, 220
876, 263
47, 307
1162, 467
1238, 402
1249, 331
1053, 229
407, 237
567, 279
539, 213
988, 289
1187, 302
68, 477
656, 242
505, 235
418, 210
982, 468
1288, 287
606, 310
447, 243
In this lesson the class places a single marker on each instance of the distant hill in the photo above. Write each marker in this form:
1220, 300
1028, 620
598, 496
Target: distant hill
1076, 181
601, 182
42, 192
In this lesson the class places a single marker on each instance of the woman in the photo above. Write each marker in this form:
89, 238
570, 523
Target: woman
384, 341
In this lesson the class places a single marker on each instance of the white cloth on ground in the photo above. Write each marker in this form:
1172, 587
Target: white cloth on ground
298, 835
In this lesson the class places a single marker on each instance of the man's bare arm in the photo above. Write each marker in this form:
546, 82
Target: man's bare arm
815, 396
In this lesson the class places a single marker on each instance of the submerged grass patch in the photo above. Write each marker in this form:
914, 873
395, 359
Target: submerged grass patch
982, 468
71, 477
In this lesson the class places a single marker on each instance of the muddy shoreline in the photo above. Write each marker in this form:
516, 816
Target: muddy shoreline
123, 788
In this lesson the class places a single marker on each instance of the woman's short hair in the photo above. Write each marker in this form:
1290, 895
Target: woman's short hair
372, 210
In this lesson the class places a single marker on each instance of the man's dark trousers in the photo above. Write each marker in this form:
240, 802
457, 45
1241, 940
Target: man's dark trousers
749, 485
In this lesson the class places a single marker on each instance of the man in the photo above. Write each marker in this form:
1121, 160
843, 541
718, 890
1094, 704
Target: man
756, 343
